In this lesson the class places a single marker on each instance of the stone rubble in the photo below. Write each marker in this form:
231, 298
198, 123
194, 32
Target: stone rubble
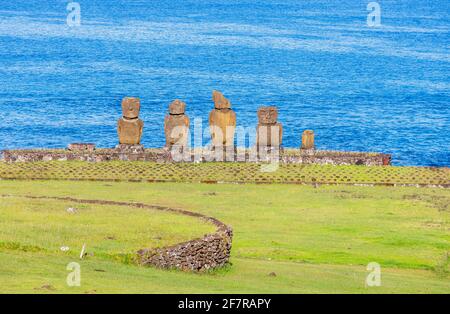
209, 252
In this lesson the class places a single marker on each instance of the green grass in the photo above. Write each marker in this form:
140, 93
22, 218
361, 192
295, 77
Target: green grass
114, 232
47, 274
225, 173
316, 239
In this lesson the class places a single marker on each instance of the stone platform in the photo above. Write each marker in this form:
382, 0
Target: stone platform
288, 155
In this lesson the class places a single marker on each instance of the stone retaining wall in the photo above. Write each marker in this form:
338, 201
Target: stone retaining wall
338, 158
209, 252
162, 155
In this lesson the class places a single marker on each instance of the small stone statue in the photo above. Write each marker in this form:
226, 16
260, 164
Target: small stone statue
308, 140
129, 127
176, 125
222, 121
269, 133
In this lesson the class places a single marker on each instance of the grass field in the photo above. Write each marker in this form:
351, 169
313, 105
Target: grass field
314, 239
113, 232
225, 173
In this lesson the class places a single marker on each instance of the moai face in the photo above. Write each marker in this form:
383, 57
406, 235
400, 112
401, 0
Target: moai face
267, 115
177, 107
220, 102
131, 107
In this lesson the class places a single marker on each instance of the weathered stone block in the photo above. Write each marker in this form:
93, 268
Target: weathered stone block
88, 147
130, 149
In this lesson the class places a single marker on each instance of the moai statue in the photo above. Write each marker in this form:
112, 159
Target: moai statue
176, 125
222, 121
129, 127
308, 140
269, 133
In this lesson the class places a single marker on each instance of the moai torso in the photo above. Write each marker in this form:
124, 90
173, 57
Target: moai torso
176, 125
269, 132
222, 121
130, 127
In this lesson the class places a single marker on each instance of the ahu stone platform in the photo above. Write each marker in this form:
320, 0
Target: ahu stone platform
289, 156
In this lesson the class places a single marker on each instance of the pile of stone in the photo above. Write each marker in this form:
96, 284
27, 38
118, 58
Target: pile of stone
209, 252
81, 147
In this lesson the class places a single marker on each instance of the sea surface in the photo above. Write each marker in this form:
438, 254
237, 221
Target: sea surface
360, 88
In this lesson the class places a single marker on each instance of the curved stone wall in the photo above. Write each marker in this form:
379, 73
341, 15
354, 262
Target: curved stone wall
209, 252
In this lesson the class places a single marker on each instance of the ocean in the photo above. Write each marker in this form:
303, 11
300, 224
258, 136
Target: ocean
360, 88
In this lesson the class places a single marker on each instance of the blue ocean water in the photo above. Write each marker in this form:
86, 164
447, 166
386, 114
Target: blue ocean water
360, 88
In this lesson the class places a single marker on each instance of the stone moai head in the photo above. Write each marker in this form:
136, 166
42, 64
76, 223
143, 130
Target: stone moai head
220, 102
267, 115
177, 107
131, 107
